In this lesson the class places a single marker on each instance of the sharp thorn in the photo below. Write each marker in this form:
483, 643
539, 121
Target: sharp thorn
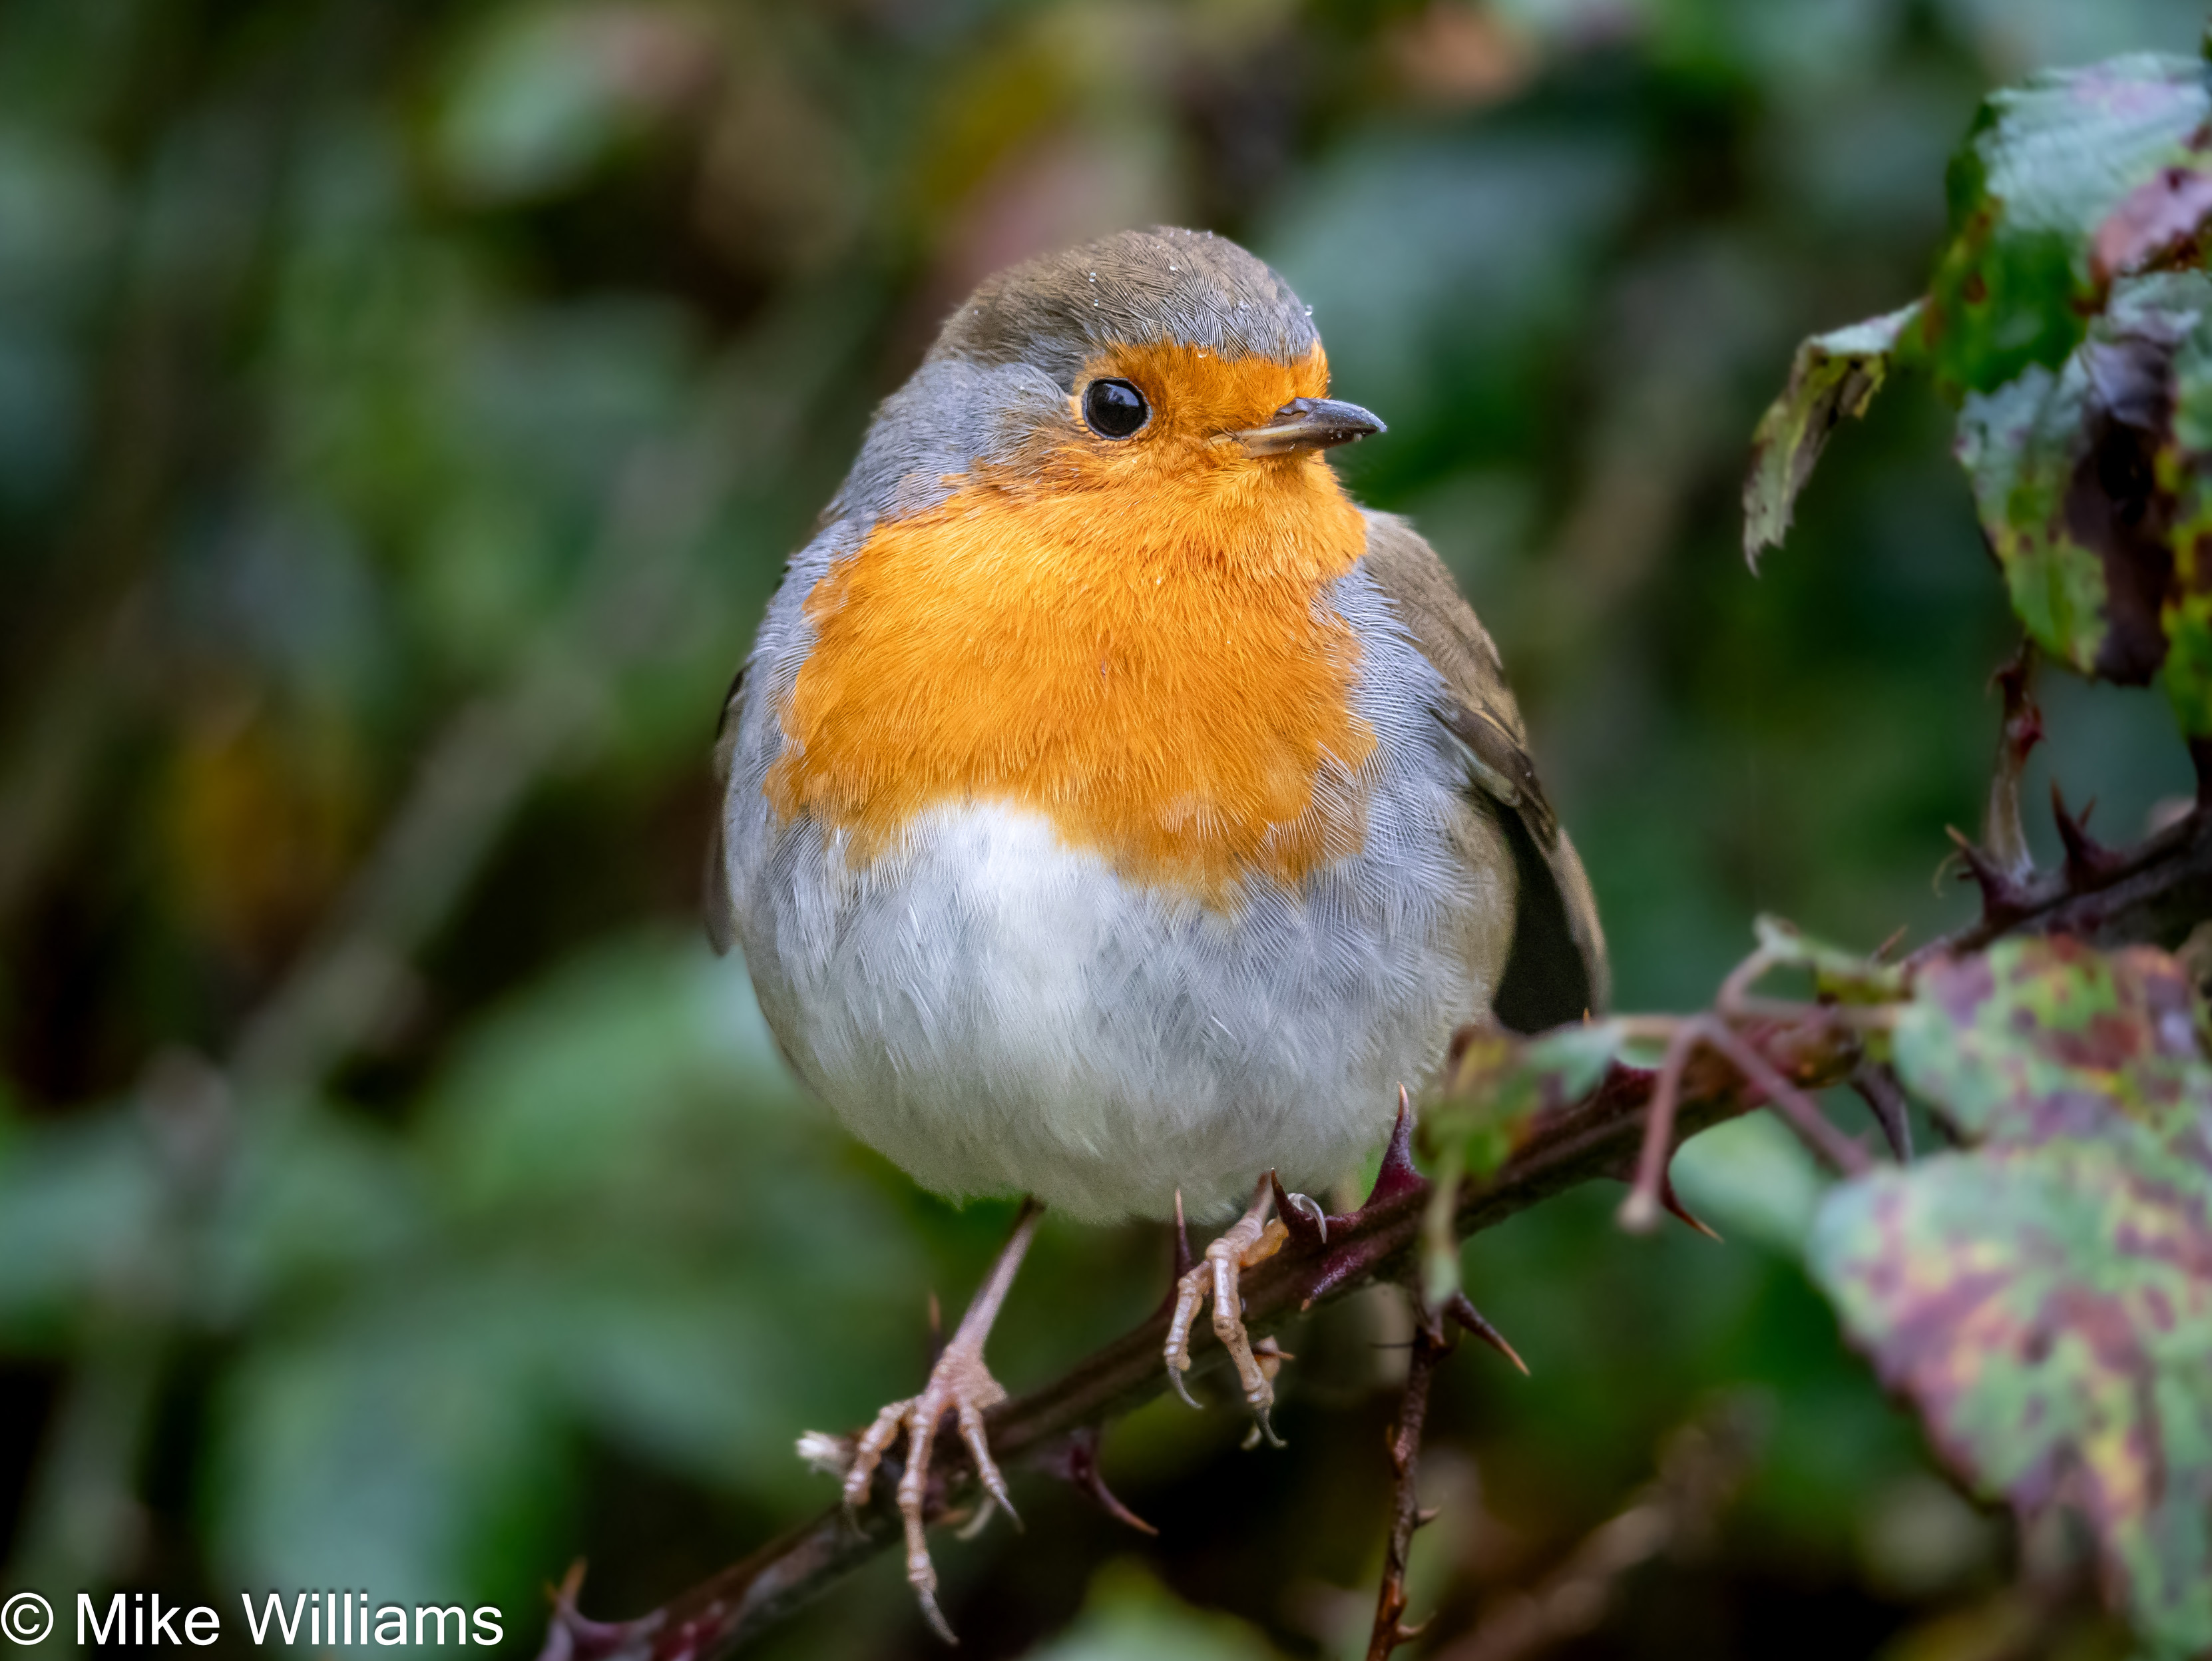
564, 1595
2001, 900
1427, 1515
2089, 863
1675, 1208
1398, 1175
1075, 1460
1094, 1484
1120, 1513
1460, 1309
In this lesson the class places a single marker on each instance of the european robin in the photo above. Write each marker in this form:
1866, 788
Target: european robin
1115, 810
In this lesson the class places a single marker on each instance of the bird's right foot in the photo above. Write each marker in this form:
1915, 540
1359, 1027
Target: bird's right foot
960, 1385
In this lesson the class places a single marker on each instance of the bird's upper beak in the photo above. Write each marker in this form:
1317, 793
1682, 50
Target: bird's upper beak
1309, 423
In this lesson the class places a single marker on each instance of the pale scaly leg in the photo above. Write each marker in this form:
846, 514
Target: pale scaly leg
1252, 1239
959, 1385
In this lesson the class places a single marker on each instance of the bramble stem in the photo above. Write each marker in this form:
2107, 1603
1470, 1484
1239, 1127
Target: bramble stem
1431, 1345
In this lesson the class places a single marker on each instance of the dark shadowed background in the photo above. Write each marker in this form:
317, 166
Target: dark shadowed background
405, 412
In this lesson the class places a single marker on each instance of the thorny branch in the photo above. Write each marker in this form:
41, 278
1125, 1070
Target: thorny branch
1599, 1137
1431, 1346
1747, 1053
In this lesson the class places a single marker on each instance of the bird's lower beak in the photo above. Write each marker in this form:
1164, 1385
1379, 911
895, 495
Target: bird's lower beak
1309, 423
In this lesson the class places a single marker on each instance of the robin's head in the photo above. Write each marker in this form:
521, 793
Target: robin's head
1082, 565
1148, 360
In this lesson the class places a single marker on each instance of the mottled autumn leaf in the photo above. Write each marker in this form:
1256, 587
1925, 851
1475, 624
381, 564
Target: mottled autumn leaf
2045, 1296
2157, 221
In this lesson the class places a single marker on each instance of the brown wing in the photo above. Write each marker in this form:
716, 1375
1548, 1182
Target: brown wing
1557, 968
714, 890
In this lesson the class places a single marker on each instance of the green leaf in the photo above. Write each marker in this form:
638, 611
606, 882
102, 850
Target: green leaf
1833, 376
2046, 164
1498, 1081
1838, 972
2046, 1298
1500, 1078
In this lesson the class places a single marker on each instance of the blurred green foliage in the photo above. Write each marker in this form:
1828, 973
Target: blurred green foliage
404, 412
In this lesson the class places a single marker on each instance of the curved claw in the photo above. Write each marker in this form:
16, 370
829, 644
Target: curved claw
1306, 1206
981, 1520
986, 1468
1175, 1377
927, 1596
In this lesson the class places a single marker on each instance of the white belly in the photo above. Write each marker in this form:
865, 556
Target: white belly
997, 1012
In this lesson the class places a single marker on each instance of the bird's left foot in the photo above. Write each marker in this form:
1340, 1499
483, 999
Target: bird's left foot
1251, 1241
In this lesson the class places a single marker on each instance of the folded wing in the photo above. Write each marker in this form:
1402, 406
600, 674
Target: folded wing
1557, 968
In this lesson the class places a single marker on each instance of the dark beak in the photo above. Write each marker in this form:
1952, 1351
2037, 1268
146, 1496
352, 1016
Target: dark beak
1309, 423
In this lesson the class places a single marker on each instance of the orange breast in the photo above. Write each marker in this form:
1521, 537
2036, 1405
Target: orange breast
1124, 638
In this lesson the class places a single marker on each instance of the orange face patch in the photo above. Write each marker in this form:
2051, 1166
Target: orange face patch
1122, 636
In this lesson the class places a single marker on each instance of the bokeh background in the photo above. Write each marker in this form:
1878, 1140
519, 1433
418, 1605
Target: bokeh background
405, 413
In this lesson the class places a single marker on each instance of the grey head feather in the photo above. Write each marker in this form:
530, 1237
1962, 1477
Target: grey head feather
1132, 288
1006, 360
950, 414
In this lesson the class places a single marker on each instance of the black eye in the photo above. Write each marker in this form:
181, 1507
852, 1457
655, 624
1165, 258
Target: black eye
1115, 409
